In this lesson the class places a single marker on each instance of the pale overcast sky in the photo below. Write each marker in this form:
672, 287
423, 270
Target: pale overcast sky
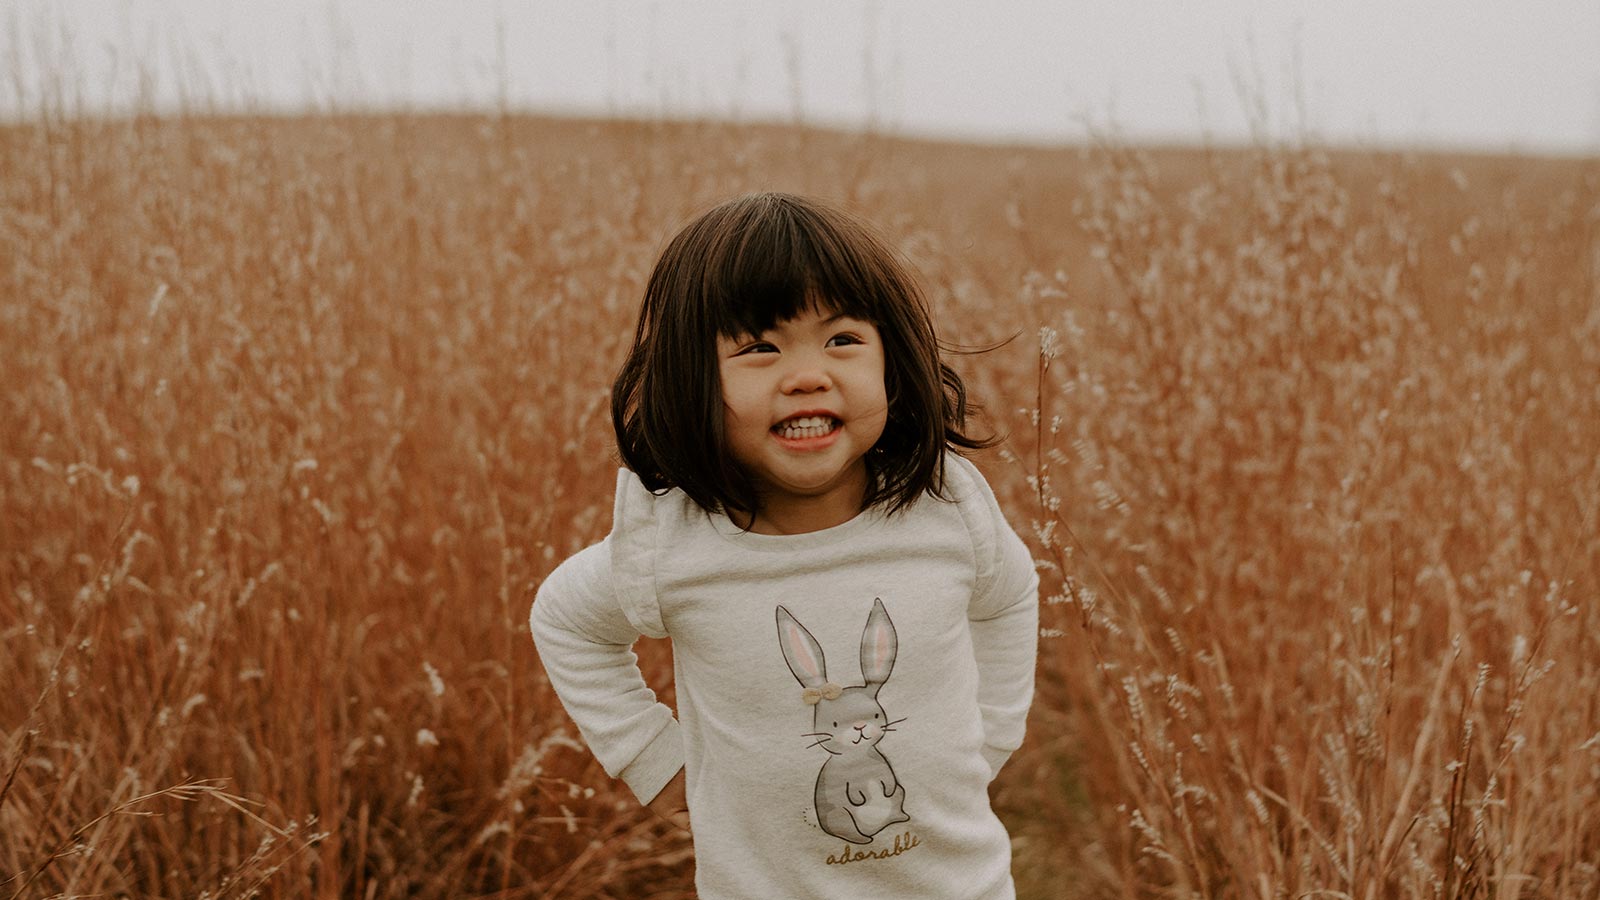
1492, 75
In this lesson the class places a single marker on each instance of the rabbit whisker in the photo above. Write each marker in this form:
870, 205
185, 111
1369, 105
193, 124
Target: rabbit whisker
817, 744
896, 721
817, 734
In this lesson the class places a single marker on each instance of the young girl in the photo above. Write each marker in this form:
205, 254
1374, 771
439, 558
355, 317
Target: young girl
853, 623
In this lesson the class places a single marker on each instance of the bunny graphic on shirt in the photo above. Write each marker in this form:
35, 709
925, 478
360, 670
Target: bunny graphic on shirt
857, 794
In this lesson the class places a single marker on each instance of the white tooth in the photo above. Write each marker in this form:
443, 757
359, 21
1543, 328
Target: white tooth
808, 427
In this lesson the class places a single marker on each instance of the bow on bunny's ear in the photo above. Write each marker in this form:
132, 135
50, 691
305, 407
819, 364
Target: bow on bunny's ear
804, 656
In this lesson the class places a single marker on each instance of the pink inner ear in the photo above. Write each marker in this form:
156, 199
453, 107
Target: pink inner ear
880, 648
801, 649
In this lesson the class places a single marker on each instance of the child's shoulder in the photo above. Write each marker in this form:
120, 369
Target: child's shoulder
966, 485
986, 524
635, 506
962, 473
588, 570
617, 571
638, 517
634, 512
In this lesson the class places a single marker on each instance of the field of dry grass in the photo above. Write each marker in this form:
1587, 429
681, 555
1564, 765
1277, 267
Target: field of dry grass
298, 413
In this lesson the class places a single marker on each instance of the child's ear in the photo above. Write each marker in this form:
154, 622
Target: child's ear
801, 651
879, 644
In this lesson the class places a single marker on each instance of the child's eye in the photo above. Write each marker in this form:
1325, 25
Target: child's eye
845, 338
758, 347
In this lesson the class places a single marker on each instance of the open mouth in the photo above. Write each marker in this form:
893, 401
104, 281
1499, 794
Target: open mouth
802, 427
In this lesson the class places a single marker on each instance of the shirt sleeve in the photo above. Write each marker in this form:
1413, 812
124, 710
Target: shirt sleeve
1004, 618
585, 640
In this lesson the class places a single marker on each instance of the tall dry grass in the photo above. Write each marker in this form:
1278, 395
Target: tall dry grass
298, 412
1318, 489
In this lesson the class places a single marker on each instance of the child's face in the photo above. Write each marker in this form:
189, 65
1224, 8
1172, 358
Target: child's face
802, 405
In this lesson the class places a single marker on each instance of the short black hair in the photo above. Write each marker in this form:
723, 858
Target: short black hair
739, 269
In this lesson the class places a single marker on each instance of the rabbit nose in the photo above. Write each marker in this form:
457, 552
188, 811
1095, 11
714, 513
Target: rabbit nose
860, 726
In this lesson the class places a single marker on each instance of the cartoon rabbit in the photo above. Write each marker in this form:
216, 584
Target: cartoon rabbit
857, 794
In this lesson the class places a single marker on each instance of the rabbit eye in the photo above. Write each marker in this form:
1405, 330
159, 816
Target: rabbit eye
836, 724
877, 715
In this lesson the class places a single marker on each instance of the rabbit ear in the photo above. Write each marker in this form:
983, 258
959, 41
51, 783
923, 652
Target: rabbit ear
879, 644
801, 651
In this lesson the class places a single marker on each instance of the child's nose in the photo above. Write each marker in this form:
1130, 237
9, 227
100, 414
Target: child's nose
806, 377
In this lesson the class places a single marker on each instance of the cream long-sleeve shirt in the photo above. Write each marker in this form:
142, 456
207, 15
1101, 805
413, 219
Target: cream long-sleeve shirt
845, 696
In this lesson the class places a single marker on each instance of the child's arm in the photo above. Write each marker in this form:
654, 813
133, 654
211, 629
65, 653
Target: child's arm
1006, 647
1004, 616
585, 643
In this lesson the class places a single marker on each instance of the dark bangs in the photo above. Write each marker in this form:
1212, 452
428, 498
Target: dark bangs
740, 269
778, 258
